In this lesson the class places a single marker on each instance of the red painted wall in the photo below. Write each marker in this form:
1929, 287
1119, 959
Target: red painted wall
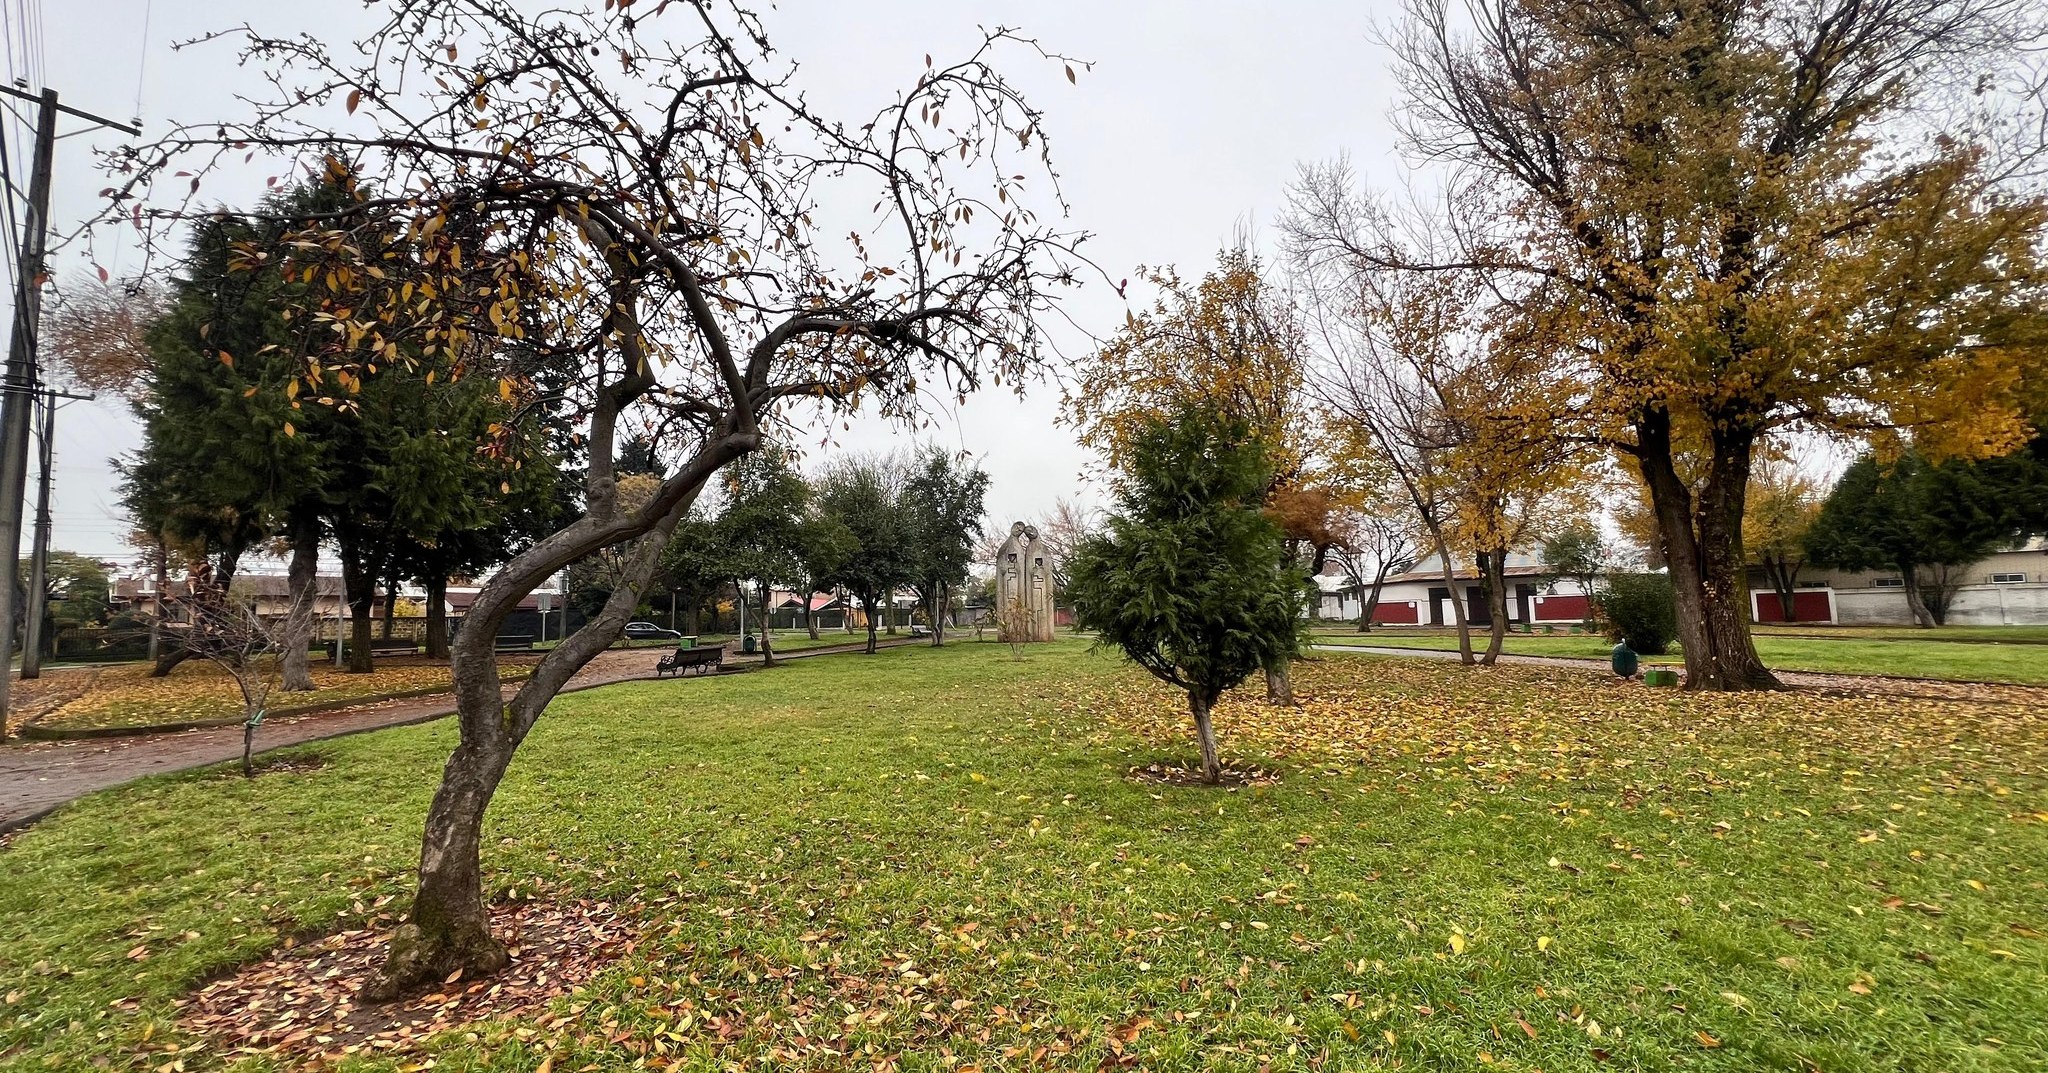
1396, 613
1808, 605
1558, 608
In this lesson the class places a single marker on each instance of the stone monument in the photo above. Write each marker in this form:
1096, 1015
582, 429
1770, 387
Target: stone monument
1024, 588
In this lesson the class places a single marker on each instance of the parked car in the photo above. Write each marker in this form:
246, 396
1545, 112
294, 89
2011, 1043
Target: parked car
648, 631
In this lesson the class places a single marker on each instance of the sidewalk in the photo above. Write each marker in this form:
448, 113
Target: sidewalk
36, 777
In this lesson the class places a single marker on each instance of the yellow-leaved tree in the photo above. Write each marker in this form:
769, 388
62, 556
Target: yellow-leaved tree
1739, 219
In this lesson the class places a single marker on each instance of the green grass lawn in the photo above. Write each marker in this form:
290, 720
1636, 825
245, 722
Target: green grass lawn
2020, 662
936, 860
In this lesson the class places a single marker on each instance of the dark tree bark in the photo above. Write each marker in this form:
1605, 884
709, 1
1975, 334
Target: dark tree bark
1493, 579
359, 589
390, 609
1450, 577
1916, 597
1703, 552
300, 583
437, 617
767, 645
1280, 682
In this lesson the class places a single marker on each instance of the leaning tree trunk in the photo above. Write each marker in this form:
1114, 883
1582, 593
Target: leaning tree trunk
1916, 600
872, 647
437, 617
298, 621
767, 652
1450, 575
810, 616
1702, 545
447, 929
1199, 704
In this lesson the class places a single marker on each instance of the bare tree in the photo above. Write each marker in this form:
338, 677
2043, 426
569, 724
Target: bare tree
633, 211
231, 635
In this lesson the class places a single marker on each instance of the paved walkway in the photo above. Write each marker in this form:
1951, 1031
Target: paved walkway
36, 777
1859, 683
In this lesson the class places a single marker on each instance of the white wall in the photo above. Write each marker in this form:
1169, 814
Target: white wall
1974, 605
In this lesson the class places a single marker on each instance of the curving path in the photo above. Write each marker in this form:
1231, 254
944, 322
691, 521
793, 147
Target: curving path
37, 777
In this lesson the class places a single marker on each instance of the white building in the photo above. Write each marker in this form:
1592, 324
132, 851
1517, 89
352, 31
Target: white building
2009, 588
1420, 597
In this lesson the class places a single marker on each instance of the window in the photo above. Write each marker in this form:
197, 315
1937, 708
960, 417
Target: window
1887, 583
2008, 579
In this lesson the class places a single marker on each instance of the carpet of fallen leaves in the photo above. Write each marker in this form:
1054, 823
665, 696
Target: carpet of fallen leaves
1503, 723
301, 1003
196, 691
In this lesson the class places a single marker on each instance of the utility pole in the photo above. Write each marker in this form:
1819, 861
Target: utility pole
39, 558
20, 385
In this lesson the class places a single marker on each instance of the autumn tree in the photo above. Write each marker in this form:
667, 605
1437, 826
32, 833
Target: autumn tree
626, 206
1231, 342
1448, 390
97, 333
1739, 219
1186, 578
1579, 554
1779, 510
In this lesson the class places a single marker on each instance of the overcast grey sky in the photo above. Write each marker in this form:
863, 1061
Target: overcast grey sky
1188, 128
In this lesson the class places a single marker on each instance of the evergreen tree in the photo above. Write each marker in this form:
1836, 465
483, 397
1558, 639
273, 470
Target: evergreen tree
1186, 577
1921, 520
760, 531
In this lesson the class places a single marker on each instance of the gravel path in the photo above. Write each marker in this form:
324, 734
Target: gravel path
37, 777
1925, 688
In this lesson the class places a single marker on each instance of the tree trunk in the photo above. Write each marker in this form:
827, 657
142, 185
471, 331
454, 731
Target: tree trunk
1212, 768
1372, 601
1916, 601
1450, 575
447, 930
1702, 545
810, 616
223, 577
1493, 578
767, 653
437, 617
1280, 683
390, 609
938, 613
870, 605
300, 589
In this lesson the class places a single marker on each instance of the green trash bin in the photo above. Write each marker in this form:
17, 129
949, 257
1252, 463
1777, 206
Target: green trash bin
1624, 660
749, 644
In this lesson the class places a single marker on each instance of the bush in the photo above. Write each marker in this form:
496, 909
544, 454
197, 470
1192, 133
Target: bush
1638, 609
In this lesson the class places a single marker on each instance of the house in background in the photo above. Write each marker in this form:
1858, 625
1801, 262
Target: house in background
2009, 588
1421, 597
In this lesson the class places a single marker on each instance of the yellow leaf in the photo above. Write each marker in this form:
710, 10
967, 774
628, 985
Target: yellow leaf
1543, 944
1457, 943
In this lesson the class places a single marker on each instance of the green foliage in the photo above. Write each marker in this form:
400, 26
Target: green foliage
1910, 514
864, 496
1577, 552
942, 509
1638, 609
77, 588
1186, 578
759, 533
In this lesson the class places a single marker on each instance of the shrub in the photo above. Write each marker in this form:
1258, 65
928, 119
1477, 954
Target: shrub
1638, 609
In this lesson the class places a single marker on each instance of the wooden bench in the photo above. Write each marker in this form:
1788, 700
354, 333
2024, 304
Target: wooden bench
685, 658
397, 646
514, 642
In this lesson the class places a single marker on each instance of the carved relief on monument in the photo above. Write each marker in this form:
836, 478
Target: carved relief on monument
1024, 587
